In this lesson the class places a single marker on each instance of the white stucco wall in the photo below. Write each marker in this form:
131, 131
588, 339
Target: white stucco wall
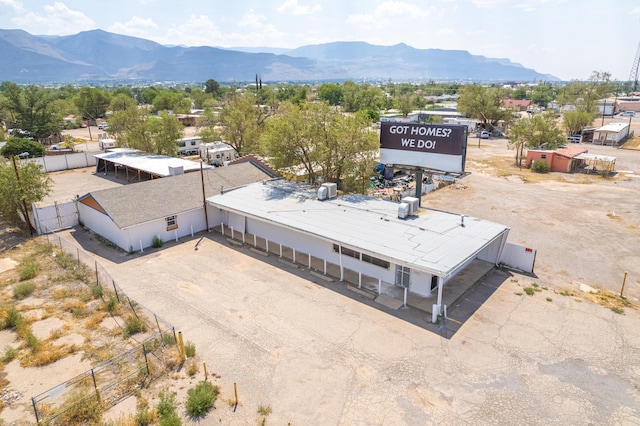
102, 225
140, 236
144, 233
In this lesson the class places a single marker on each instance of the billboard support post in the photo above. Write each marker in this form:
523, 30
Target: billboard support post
419, 186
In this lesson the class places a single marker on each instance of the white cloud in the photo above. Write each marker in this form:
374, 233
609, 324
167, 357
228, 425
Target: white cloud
57, 19
251, 20
635, 11
10, 5
294, 8
136, 27
380, 18
485, 4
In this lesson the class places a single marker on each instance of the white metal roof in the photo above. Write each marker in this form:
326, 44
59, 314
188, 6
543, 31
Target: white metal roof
155, 164
612, 127
434, 241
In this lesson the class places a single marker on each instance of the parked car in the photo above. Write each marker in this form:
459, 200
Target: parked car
103, 126
483, 134
628, 113
574, 139
57, 146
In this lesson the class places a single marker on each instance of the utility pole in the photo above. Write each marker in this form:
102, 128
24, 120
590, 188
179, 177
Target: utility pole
24, 203
633, 77
204, 198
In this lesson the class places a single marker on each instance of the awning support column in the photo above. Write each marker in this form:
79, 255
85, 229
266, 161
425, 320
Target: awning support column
438, 306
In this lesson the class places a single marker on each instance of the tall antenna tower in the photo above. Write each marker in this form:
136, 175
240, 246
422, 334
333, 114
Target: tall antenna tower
634, 70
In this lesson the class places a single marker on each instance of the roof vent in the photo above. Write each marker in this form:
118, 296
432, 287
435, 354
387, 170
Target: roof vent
176, 170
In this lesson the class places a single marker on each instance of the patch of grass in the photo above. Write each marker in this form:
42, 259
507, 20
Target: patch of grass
157, 242
77, 312
549, 299
29, 268
168, 339
535, 285
529, 290
32, 342
80, 407
113, 306
13, 319
200, 399
47, 354
133, 325
264, 410
96, 291
190, 349
192, 369
565, 293
518, 293
144, 414
10, 353
23, 290
94, 320
167, 414
617, 310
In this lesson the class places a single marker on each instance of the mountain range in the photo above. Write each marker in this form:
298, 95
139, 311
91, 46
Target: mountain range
98, 55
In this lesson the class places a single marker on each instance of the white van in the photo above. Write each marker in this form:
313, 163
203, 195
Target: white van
105, 144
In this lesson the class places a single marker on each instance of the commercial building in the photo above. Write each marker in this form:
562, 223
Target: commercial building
360, 236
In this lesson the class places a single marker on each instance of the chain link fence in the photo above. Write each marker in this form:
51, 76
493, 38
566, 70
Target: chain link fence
151, 349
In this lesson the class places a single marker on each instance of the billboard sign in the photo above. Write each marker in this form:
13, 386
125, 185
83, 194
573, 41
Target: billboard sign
432, 146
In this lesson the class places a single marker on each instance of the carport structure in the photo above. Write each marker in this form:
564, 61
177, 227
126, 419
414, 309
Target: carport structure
134, 165
360, 239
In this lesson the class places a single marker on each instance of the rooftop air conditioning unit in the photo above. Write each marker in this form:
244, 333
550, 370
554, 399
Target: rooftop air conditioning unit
414, 205
332, 189
176, 170
403, 210
322, 193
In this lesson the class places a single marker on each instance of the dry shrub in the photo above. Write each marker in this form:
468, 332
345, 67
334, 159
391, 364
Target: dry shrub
94, 320
47, 354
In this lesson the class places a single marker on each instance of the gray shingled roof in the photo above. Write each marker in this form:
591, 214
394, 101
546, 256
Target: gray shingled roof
146, 201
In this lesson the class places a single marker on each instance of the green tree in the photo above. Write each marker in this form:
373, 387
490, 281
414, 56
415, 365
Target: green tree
206, 124
122, 101
405, 104
17, 146
543, 94
17, 194
484, 104
536, 132
165, 132
331, 93
241, 122
574, 121
213, 87
30, 109
92, 103
358, 97
324, 142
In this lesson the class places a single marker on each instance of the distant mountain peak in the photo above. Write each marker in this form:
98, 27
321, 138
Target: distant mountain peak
100, 55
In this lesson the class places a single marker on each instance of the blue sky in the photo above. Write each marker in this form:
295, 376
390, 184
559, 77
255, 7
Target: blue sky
566, 38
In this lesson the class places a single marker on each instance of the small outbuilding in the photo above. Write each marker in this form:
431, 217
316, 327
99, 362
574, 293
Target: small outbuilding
610, 134
564, 160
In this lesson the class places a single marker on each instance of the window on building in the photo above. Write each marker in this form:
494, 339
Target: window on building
347, 252
403, 276
172, 222
376, 261
543, 156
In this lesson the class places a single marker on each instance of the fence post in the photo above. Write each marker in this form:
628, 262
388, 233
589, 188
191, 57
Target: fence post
95, 385
78, 252
204, 364
181, 346
97, 282
35, 409
132, 308
157, 323
60, 242
146, 361
116, 290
